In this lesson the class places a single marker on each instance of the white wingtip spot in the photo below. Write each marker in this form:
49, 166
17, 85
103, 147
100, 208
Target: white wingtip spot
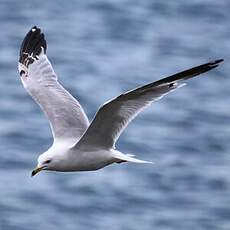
181, 85
22, 69
42, 51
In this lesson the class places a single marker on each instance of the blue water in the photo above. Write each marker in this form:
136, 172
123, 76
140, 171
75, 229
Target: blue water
99, 49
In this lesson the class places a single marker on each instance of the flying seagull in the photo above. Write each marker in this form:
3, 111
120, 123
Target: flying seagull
79, 145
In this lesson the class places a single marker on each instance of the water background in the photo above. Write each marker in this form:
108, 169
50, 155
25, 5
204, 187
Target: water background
99, 49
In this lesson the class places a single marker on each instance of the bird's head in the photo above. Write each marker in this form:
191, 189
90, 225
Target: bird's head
45, 162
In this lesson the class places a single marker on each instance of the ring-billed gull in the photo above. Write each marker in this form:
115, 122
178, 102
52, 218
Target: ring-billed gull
79, 145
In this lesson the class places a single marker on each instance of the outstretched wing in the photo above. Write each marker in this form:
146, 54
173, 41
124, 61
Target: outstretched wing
113, 117
65, 114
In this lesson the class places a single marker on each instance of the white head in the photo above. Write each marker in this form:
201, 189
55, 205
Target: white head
46, 161
56, 158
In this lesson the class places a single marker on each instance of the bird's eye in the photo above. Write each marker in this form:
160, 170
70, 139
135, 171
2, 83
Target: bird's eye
47, 162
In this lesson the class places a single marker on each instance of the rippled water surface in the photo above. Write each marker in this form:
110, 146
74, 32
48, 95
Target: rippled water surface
99, 49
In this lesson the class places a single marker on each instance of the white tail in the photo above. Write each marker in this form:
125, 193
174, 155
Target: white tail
121, 157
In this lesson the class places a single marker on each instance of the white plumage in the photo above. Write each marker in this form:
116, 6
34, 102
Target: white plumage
78, 145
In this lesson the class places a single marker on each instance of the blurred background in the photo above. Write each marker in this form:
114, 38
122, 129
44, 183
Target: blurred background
99, 49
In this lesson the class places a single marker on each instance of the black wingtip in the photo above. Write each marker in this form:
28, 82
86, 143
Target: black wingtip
218, 61
189, 73
215, 63
32, 45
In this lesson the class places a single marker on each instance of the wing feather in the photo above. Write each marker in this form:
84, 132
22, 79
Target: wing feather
65, 114
113, 117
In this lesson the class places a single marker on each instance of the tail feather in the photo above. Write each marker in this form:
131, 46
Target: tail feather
120, 157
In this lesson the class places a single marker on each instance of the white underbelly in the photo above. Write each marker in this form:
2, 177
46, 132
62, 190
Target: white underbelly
88, 161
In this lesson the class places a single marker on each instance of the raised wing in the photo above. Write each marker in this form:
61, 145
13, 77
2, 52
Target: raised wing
113, 117
65, 114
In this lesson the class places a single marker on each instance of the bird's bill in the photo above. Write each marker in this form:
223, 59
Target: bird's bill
36, 170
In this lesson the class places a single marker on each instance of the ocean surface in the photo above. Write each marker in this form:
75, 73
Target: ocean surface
99, 49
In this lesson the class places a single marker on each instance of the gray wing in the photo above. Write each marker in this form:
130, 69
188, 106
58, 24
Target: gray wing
65, 114
113, 117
